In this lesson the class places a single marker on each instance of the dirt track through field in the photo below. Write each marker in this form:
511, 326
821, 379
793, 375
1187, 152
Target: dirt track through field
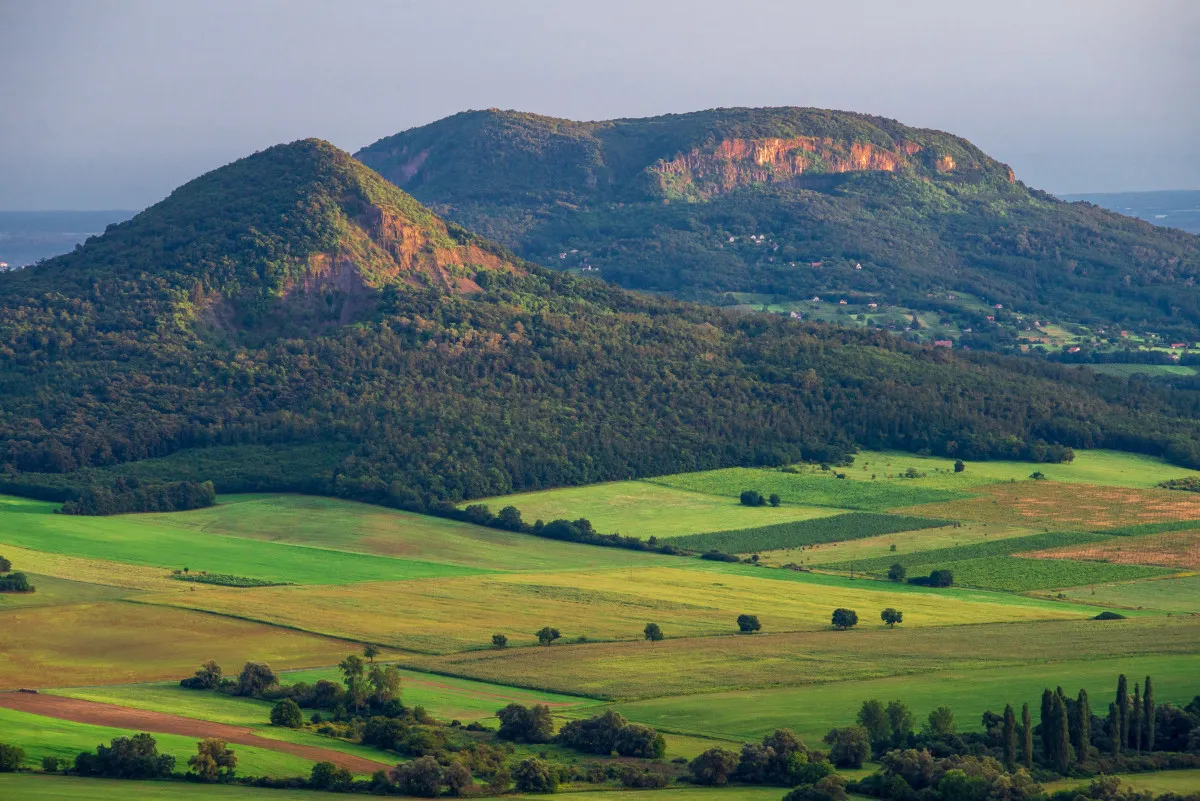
124, 717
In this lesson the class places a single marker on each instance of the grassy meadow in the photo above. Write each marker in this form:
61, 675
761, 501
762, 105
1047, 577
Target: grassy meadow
644, 509
1033, 561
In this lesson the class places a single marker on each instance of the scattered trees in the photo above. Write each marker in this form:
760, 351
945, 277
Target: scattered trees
13, 582
328, 776
287, 713
844, 619
214, 760
752, 498
421, 777
850, 746
652, 632
133, 757
713, 767
748, 624
534, 775
603, 734
547, 635
11, 758
891, 616
523, 724
208, 677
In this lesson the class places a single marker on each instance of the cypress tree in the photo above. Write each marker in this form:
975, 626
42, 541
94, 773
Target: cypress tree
1123, 708
1048, 726
1083, 735
1148, 713
1062, 741
1114, 726
1135, 715
1010, 738
1027, 724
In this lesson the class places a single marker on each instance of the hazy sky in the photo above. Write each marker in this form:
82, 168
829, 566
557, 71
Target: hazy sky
107, 104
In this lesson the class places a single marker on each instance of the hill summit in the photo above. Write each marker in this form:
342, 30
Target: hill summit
293, 322
782, 205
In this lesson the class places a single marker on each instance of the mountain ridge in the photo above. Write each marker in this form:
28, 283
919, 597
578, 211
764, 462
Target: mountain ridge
432, 388
669, 204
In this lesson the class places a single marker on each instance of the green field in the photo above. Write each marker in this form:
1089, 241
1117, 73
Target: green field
838, 528
1164, 594
921, 560
674, 667
41, 736
52, 591
894, 545
810, 487
156, 540
1126, 370
1167, 781
72, 788
1019, 574
642, 509
813, 710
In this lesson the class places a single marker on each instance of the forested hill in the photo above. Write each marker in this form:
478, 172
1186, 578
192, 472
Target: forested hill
296, 310
794, 202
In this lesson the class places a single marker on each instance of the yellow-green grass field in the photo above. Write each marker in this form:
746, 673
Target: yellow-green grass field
809, 487
812, 710
634, 670
1060, 506
350, 526
51, 591
1100, 467
1166, 781
72, 788
641, 509
155, 540
94, 571
905, 542
1177, 595
442, 615
41, 736
121, 642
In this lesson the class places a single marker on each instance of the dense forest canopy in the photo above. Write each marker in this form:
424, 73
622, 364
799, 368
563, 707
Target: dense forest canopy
793, 202
297, 305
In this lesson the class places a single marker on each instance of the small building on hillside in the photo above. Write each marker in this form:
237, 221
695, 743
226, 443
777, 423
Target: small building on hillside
943, 343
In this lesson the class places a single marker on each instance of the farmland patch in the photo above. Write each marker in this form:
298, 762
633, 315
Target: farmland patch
838, 528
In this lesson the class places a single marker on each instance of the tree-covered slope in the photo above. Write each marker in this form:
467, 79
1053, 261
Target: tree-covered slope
793, 202
296, 302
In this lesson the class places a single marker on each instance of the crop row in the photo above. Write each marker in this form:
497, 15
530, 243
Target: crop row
850, 526
941, 557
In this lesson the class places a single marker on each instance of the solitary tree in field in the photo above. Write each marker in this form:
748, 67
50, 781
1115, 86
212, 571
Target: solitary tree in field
897, 571
5, 565
547, 635
959, 466
370, 652
752, 498
652, 632
774, 500
1148, 712
845, 618
1010, 738
213, 760
499, 640
1027, 737
287, 713
748, 624
891, 616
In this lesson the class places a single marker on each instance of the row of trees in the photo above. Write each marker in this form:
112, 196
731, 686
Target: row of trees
781, 759
602, 735
755, 498
13, 581
581, 530
130, 496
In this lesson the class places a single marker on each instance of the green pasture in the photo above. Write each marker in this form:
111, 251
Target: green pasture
51, 591
920, 560
644, 509
1102, 467
158, 540
72, 788
814, 709
1021, 574
810, 487
41, 736
1165, 781
892, 546
349, 526
1153, 370
836, 528
1164, 594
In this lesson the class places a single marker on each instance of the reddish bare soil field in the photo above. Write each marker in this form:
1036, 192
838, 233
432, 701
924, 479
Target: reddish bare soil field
123, 717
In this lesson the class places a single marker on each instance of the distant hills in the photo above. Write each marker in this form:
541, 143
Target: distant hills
788, 204
292, 321
1172, 208
26, 236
